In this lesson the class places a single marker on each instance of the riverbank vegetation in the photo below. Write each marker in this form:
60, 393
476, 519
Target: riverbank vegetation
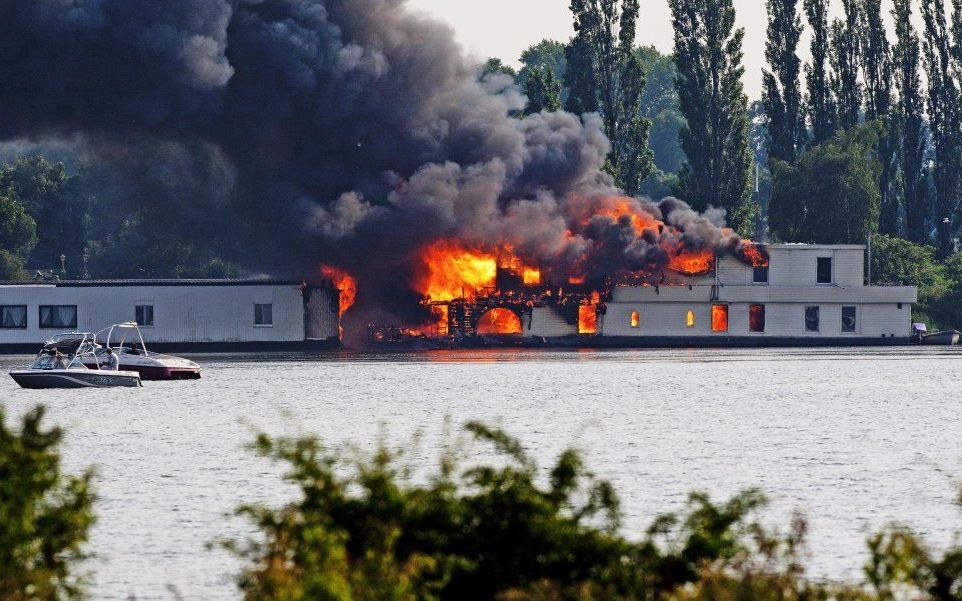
505, 528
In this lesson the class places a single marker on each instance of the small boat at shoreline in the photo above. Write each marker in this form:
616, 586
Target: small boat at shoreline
942, 337
134, 356
60, 364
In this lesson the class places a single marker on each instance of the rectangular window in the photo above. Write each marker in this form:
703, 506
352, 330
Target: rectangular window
719, 318
848, 319
824, 270
690, 319
263, 314
144, 315
58, 316
760, 275
13, 316
635, 319
756, 318
811, 319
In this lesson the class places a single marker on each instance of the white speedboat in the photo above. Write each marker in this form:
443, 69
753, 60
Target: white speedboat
134, 356
59, 364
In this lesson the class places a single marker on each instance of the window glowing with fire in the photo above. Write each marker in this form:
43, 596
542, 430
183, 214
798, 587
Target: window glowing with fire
719, 318
690, 319
635, 319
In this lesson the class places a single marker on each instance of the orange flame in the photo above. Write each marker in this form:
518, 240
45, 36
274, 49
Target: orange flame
346, 285
499, 321
753, 254
692, 262
532, 276
719, 318
450, 269
587, 319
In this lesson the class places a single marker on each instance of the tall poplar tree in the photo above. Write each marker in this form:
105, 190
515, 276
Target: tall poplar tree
877, 75
781, 89
543, 90
821, 112
944, 122
604, 44
910, 109
708, 56
845, 52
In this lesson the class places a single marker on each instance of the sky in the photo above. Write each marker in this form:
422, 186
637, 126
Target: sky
483, 30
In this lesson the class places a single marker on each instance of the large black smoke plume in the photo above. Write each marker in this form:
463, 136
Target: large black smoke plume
347, 132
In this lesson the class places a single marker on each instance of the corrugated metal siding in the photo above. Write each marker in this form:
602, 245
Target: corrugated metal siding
181, 313
320, 316
733, 272
797, 266
820, 294
546, 322
887, 319
850, 267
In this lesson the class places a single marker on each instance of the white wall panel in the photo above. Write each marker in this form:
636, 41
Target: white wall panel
182, 313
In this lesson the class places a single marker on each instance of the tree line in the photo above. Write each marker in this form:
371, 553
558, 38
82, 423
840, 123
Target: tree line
361, 530
862, 140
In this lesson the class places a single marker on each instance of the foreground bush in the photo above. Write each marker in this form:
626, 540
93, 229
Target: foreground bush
362, 531
44, 515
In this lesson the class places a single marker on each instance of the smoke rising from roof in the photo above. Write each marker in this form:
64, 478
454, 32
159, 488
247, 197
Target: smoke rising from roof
350, 132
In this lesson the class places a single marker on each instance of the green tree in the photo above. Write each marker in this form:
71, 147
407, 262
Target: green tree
581, 81
781, 88
945, 123
898, 262
878, 77
545, 54
496, 65
543, 91
708, 56
44, 515
910, 109
829, 195
821, 109
605, 30
845, 57
57, 203
659, 104
18, 234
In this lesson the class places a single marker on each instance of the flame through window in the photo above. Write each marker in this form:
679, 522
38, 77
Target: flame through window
690, 319
719, 318
635, 319
756, 318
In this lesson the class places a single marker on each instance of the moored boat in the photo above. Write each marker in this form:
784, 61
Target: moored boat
942, 337
134, 356
59, 364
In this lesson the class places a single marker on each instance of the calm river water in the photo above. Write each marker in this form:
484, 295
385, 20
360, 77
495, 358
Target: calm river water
854, 438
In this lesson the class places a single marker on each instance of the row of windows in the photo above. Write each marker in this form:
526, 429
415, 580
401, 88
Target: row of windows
65, 316
50, 316
756, 318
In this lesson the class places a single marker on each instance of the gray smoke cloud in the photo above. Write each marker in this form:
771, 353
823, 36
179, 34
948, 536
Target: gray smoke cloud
347, 132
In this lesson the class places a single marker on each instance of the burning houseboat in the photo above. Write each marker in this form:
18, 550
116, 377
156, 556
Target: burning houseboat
802, 295
771, 295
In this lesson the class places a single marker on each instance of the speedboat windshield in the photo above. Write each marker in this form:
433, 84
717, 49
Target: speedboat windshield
53, 362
